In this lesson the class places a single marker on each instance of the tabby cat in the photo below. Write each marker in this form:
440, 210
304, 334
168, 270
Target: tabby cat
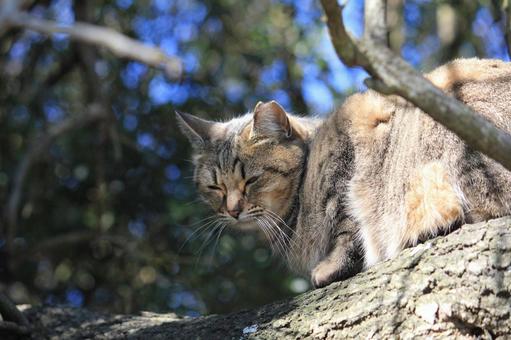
376, 176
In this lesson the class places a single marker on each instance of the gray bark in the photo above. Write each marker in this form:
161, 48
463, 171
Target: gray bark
453, 286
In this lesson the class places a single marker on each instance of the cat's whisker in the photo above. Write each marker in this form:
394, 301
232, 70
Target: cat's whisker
221, 229
264, 229
268, 232
278, 239
285, 240
206, 240
197, 232
218, 225
291, 230
203, 220
275, 239
272, 216
272, 237
197, 200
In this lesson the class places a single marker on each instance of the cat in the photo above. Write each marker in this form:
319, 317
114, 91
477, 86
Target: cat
338, 195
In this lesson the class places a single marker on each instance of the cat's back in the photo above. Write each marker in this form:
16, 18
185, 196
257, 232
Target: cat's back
482, 84
392, 125
414, 174
462, 71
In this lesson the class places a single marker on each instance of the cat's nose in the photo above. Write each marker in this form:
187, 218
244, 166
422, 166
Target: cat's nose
234, 203
234, 213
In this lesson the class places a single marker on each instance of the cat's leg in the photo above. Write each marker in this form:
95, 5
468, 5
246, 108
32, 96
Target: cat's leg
371, 249
432, 204
342, 261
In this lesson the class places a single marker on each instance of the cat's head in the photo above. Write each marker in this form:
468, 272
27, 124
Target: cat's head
249, 169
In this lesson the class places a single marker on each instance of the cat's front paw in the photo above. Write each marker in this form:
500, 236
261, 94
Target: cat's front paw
325, 273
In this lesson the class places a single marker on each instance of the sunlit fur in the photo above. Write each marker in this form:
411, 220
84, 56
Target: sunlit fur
374, 177
415, 179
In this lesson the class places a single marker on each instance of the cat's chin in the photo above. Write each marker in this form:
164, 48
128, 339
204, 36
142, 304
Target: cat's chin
246, 225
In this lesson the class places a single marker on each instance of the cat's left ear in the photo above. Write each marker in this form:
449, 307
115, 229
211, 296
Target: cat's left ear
198, 131
271, 120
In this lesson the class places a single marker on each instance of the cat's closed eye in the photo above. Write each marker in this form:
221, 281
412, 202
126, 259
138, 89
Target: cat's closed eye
252, 180
214, 187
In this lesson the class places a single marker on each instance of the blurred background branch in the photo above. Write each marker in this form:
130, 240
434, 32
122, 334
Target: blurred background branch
506, 9
119, 44
37, 149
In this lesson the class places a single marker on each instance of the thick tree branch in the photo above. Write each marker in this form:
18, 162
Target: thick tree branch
458, 286
117, 43
341, 39
394, 76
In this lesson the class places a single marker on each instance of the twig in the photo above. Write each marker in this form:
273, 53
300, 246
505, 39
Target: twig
117, 43
400, 78
62, 241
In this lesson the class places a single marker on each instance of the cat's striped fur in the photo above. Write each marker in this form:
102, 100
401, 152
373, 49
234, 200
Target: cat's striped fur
376, 176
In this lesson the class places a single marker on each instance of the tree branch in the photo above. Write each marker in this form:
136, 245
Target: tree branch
117, 43
456, 286
395, 76
74, 239
341, 39
506, 8
375, 16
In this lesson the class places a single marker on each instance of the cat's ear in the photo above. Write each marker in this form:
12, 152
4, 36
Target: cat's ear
198, 131
271, 120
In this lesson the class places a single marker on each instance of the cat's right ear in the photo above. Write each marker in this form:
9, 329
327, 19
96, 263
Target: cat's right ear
271, 120
197, 130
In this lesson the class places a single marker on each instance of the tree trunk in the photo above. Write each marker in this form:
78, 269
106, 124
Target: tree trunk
453, 286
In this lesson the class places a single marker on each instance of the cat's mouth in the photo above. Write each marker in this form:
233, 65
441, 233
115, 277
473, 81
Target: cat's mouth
248, 224
261, 220
244, 221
